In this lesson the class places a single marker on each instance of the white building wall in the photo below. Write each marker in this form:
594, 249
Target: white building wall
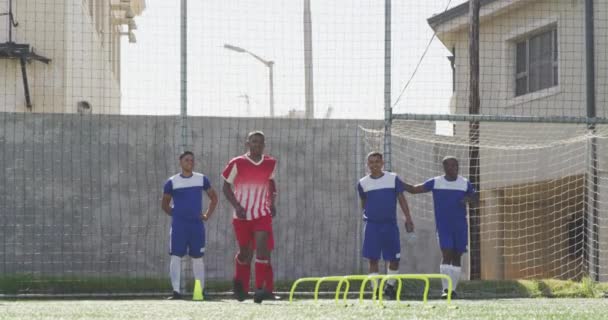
498, 34
85, 53
40, 25
497, 60
497, 63
90, 72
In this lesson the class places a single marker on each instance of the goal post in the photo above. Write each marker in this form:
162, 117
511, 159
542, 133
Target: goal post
542, 214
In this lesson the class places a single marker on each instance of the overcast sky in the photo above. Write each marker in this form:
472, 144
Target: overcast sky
348, 58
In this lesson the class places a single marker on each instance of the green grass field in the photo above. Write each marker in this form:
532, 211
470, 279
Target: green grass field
523, 299
16, 286
540, 308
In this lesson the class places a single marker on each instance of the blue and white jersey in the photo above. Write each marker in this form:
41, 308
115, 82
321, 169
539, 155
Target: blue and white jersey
380, 195
447, 199
187, 194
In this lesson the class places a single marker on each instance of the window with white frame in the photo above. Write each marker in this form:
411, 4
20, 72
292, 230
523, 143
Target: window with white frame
536, 66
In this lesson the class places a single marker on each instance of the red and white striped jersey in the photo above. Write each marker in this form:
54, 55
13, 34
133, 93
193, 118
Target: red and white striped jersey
251, 181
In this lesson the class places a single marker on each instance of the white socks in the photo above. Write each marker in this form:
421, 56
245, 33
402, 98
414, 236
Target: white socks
175, 270
198, 268
374, 282
445, 269
391, 281
453, 272
455, 275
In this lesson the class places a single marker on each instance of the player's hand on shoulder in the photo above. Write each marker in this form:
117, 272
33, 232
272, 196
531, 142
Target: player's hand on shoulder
409, 226
241, 213
273, 211
464, 201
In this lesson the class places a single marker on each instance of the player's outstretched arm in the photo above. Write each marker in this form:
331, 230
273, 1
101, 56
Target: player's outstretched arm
212, 204
273, 197
165, 203
471, 196
229, 194
362, 196
415, 189
409, 222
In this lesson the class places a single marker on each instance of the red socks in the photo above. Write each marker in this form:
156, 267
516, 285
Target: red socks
242, 273
264, 277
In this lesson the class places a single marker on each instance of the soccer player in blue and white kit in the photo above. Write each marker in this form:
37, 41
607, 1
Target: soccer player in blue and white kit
451, 193
379, 192
187, 228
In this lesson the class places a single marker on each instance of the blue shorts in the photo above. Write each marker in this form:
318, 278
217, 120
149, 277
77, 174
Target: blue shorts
453, 237
187, 237
381, 239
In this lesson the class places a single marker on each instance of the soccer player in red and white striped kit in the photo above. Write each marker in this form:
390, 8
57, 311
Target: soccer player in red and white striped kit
250, 188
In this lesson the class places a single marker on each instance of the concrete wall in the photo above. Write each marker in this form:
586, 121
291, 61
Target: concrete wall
81, 195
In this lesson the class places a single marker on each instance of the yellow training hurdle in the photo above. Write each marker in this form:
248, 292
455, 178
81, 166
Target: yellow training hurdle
318, 281
424, 277
345, 280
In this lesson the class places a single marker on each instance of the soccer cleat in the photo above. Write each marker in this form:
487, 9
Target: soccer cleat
444, 295
271, 296
262, 294
239, 293
259, 295
176, 296
389, 292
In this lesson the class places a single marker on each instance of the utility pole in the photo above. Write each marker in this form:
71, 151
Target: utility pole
388, 114
474, 177
308, 74
184, 74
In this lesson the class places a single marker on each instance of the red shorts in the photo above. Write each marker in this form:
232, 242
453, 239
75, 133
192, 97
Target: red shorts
244, 231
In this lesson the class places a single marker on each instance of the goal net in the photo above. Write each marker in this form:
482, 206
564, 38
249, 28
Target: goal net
540, 213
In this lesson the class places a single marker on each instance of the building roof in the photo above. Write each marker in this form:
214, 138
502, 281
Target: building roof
457, 11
